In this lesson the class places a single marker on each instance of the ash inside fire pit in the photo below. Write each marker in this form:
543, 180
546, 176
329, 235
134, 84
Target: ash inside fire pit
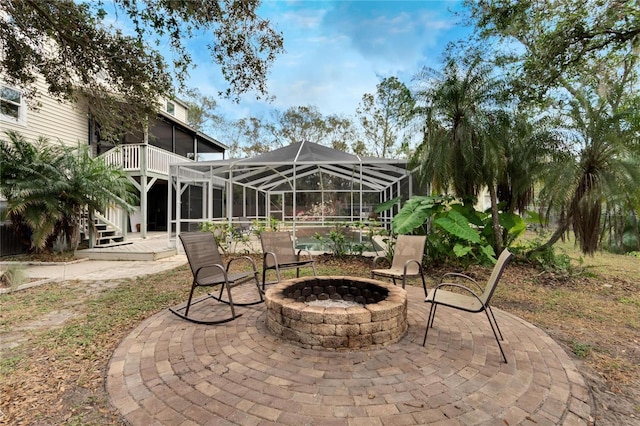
337, 313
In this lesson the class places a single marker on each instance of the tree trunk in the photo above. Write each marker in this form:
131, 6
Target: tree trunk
563, 226
497, 232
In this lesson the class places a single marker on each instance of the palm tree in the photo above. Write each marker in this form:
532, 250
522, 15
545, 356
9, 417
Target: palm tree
90, 185
527, 145
456, 153
48, 187
28, 172
604, 176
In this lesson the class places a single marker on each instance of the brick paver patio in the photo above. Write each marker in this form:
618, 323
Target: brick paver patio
172, 372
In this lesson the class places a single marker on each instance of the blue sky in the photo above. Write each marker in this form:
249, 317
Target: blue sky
336, 51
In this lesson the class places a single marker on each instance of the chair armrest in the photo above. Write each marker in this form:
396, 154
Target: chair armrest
304, 251
266, 255
215, 265
246, 258
376, 259
409, 262
467, 277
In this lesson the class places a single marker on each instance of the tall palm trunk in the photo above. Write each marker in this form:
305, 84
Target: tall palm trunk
497, 230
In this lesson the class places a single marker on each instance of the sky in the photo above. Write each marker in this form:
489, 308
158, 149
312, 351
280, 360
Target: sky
336, 51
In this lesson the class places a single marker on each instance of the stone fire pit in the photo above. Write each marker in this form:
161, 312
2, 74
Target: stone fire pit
337, 313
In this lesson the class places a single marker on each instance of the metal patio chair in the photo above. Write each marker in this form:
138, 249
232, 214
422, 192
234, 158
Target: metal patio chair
279, 253
468, 299
407, 260
208, 271
243, 227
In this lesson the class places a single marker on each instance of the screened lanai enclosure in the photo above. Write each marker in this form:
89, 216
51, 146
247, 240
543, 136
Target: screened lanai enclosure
303, 185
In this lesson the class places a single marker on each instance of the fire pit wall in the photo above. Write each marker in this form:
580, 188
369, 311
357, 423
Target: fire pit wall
378, 318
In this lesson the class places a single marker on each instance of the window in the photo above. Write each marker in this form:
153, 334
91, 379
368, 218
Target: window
171, 108
12, 107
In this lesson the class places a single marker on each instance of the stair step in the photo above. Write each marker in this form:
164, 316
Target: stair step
109, 239
113, 244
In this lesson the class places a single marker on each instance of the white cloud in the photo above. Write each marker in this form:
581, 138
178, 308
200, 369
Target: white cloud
338, 51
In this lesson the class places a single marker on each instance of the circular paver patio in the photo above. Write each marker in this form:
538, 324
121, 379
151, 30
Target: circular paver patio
172, 372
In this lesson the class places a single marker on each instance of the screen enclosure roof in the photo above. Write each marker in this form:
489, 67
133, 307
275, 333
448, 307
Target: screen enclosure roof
277, 170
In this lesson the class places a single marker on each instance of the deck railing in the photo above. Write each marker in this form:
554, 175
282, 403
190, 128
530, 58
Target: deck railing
130, 158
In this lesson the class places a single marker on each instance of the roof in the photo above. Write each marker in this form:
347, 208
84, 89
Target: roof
275, 170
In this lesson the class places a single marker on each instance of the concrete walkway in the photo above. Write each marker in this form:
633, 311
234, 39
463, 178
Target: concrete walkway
93, 270
172, 372
122, 262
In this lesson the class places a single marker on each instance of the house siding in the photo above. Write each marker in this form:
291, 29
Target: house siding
63, 121
180, 109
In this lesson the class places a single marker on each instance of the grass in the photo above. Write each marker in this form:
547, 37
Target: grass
19, 307
57, 375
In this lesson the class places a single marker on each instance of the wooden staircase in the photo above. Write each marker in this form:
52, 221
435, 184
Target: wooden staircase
106, 236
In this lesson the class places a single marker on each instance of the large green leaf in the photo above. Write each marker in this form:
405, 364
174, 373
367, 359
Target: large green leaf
460, 251
489, 253
472, 215
456, 224
513, 223
413, 214
387, 205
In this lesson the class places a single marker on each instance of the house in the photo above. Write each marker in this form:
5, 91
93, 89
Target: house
145, 156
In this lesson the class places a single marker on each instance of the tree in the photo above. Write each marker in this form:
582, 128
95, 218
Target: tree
384, 117
604, 176
49, 187
561, 38
301, 123
529, 145
249, 137
457, 152
341, 132
201, 111
453, 106
70, 45
581, 59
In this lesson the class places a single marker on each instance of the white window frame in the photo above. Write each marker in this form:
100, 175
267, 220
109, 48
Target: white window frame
22, 108
173, 107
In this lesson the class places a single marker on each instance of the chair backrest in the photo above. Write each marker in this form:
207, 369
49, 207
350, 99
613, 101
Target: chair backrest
244, 224
201, 250
280, 243
408, 247
496, 273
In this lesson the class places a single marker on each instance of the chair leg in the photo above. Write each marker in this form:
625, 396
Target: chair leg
495, 322
424, 284
433, 317
233, 310
185, 315
260, 291
193, 288
496, 336
432, 312
264, 278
